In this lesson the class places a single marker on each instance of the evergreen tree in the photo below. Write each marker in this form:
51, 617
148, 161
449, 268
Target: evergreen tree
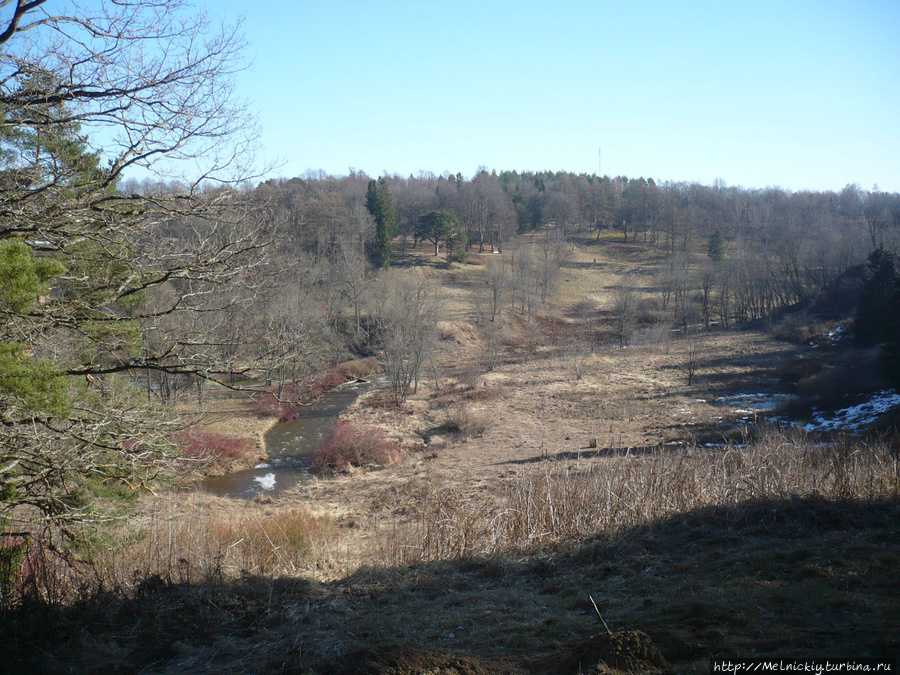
891, 347
878, 314
443, 226
878, 299
716, 248
380, 205
99, 287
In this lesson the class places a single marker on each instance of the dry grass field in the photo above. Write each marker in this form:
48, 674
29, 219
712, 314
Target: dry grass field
643, 485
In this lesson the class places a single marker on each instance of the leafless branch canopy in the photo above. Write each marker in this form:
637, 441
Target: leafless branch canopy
111, 282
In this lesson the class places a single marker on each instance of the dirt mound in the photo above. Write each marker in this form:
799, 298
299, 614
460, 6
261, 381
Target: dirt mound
628, 651
458, 332
400, 660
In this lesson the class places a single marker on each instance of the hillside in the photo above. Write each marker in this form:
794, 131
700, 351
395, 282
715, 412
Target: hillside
644, 479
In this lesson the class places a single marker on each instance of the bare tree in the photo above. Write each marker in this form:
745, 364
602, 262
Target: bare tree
120, 280
496, 287
406, 311
624, 309
553, 253
525, 287
350, 275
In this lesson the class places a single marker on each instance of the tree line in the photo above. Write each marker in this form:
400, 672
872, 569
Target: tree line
493, 207
117, 296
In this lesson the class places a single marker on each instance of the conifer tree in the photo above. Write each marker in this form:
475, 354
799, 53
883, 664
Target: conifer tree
878, 297
380, 205
98, 286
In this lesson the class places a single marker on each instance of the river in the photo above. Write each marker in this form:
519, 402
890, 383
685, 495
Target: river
288, 445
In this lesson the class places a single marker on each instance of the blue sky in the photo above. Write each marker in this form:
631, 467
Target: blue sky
802, 95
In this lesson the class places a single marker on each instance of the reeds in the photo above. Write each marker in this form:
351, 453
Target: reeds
559, 502
179, 540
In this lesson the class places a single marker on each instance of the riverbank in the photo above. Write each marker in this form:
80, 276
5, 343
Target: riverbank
230, 436
572, 478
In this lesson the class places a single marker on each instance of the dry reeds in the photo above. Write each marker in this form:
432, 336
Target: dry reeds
177, 541
564, 501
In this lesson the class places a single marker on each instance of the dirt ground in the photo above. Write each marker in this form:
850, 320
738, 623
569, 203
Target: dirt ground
534, 409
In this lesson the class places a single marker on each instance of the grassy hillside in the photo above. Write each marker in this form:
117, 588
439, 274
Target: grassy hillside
547, 471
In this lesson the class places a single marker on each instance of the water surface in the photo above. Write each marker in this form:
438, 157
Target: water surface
288, 445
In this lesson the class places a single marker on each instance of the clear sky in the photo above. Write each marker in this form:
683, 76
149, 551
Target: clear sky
802, 94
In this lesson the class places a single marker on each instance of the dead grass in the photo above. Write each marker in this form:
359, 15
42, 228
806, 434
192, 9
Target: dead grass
201, 537
797, 578
480, 556
600, 493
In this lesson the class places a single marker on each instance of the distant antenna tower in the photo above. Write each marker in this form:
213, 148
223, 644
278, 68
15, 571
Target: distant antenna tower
600, 162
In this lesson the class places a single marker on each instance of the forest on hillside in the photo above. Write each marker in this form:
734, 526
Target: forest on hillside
121, 296
597, 329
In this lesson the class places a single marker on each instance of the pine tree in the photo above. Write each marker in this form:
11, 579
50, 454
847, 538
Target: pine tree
878, 297
380, 205
716, 248
94, 289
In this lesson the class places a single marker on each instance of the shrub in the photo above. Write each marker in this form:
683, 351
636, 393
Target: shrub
294, 395
838, 386
799, 329
200, 444
12, 554
465, 422
348, 445
447, 331
799, 368
359, 369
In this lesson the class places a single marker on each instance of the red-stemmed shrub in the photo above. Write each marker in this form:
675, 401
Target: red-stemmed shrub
348, 445
287, 404
200, 444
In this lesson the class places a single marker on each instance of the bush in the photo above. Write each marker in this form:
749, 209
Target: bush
797, 369
200, 444
348, 445
465, 422
799, 329
296, 394
359, 369
831, 388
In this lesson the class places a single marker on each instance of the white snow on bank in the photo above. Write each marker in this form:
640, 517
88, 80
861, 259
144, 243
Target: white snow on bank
838, 334
858, 416
755, 402
262, 465
266, 482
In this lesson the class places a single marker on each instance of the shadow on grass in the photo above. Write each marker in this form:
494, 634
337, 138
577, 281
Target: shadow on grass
587, 453
794, 578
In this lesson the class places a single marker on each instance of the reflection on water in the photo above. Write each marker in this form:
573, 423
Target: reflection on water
288, 445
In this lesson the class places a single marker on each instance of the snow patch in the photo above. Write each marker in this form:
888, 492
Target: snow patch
858, 416
837, 334
266, 482
753, 401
